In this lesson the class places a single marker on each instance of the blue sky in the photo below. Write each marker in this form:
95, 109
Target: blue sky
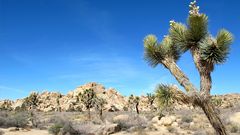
57, 45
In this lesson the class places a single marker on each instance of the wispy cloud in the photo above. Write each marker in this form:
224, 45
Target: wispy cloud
100, 67
11, 89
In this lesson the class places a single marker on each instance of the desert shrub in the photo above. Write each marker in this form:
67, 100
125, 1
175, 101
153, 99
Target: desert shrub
33, 117
234, 128
63, 125
2, 121
19, 119
85, 128
125, 108
216, 101
132, 121
187, 119
55, 129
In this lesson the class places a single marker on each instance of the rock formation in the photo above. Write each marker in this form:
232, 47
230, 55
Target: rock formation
53, 101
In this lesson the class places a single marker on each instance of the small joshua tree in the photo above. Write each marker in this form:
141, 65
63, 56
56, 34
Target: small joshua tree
164, 97
130, 101
31, 101
99, 105
151, 97
134, 102
88, 98
206, 50
58, 102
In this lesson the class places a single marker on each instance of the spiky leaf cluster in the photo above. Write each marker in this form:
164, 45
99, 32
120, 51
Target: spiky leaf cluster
151, 97
216, 50
136, 100
164, 96
156, 52
197, 28
88, 98
185, 37
133, 99
178, 34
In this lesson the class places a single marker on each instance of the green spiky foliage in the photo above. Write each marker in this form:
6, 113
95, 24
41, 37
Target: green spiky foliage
88, 98
156, 52
164, 96
31, 101
182, 38
99, 105
216, 50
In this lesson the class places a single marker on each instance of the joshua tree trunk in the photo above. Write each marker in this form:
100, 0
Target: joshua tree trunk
89, 114
196, 98
101, 113
137, 108
213, 118
205, 70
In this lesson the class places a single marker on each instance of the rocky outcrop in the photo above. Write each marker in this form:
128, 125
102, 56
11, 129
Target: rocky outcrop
54, 101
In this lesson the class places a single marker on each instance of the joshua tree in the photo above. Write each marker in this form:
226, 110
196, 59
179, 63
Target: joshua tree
88, 98
58, 102
100, 102
206, 50
131, 101
134, 101
31, 101
151, 97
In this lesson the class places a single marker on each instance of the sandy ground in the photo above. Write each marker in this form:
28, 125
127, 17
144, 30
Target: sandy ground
31, 132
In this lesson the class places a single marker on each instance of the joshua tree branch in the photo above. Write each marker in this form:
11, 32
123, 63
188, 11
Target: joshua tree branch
179, 75
204, 70
180, 96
